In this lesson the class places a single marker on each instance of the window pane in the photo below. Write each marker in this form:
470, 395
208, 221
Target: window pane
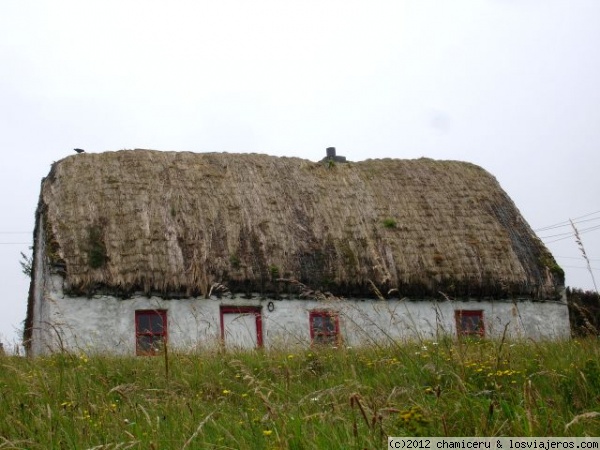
465, 322
329, 324
143, 323
470, 322
149, 344
323, 328
150, 322
317, 323
325, 339
144, 343
323, 323
156, 323
157, 343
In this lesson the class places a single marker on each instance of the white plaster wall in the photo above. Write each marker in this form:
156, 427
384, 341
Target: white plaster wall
408, 320
39, 320
107, 324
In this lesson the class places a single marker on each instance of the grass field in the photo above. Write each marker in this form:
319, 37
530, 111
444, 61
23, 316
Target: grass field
316, 398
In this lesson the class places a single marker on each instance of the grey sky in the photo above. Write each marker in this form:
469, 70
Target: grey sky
509, 85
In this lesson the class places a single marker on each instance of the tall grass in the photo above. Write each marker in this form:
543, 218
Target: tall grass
315, 398
584, 253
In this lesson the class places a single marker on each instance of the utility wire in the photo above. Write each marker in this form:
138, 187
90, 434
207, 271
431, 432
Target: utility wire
568, 235
577, 257
567, 223
563, 226
559, 239
578, 267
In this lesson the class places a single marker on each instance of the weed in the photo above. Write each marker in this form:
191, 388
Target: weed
96, 250
389, 223
584, 254
306, 398
26, 263
274, 271
234, 261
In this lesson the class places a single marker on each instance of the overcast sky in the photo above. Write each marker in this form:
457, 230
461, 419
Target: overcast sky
510, 85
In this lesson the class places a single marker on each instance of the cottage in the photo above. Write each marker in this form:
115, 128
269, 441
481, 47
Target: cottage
135, 249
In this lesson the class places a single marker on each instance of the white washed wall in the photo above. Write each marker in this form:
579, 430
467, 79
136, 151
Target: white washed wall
107, 324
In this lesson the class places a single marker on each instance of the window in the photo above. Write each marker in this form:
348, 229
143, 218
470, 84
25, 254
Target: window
324, 327
469, 322
150, 331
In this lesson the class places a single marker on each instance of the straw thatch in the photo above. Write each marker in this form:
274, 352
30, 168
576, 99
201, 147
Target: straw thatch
178, 223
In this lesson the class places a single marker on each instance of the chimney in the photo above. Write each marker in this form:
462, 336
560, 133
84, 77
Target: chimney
331, 152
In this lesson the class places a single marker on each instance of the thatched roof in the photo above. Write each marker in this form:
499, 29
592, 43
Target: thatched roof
178, 223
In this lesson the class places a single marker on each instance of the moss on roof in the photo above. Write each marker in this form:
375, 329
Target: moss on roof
179, 222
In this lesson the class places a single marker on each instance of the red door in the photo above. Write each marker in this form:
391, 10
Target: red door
241, 327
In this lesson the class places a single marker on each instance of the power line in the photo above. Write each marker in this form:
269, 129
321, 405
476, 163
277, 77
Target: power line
559, 239
579, 267
577, 257
569, 235
567, 223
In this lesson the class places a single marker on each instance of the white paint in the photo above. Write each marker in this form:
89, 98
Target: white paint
106, 324
240, 331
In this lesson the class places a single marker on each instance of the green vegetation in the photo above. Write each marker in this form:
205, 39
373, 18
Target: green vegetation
96, 250
313, 398
584, 312
389, 223
548, 261
274, 271
52, 245
234, 261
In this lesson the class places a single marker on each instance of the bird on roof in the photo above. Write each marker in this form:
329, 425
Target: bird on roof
79, 150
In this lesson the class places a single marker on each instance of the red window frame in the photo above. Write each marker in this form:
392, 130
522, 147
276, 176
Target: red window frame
256, 310
154, 336
324, 335
469, 322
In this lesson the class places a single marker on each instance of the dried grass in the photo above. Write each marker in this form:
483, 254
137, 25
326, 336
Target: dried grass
178, 222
